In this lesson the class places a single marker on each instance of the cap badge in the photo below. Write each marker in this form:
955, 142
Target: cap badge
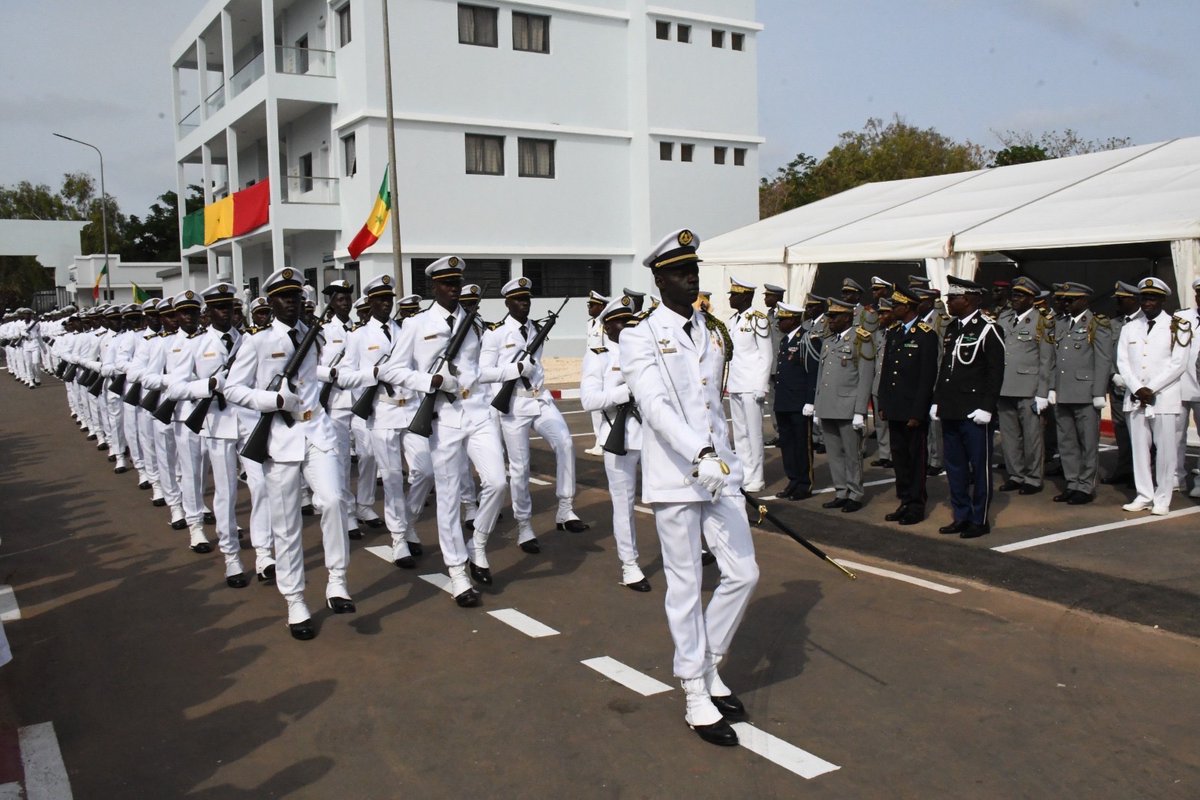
685, 238
386, 279
453, 261
287, 274
523, 283
626, 301
189, 294
222, 288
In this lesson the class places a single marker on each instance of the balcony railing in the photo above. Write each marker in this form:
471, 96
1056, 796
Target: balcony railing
190, 121
304, 61
248, 74
215, 101
321, 191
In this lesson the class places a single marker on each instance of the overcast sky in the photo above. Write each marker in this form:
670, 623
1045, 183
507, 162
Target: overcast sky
98, 71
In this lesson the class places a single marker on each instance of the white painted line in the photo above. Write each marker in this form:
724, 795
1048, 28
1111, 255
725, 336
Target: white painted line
643, 509
45, 772
438, 579
628, 677
580, 411
899, 576
776, 750
11, 791
538, 481
573, 436
522, 622
1112, 526
383, 551
868, 483
9, 610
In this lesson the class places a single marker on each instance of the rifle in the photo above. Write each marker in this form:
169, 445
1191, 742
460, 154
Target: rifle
257, 443
69, 372
62, 366
327, 387
422, 421
150, 400
97, 385
195, 420
117, 384
166, 411
503, 400
615, 443
364, 406
134, 396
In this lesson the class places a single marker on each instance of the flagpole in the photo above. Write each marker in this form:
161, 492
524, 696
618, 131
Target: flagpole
391, 131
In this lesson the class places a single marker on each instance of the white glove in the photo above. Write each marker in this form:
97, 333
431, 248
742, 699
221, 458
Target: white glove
760, 397
933, 412
217, 381
449, 384
291, 400
808, 410
980, 417
816, 420
1052, 397
1040, 404
858, 423
1099, 403
710, 475
1118, 381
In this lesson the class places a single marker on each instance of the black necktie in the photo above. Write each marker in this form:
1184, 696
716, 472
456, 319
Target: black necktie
687, 328
524, 333
1149, 325
294, 335
450, 321
228, 340
386, 332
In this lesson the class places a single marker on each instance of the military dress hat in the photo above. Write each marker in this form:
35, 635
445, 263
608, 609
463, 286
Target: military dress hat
886, 304
258, 303
1196, 283
852, 285
618, 308
1000, 283
1154, 286
219, 293
596, 297
741, 287
677, 249
111, 311
150, 306
786, 311
770, 288
1026, 286
380, 286
905, 295
334, 287
962, 286
445, 268
310, 295
517, 287
283, 280
410, 301
132, 310
1072, 289
919, 280
814, 300
879, 283
633, 293
704, 293
1123, 289
469, 291
187, 299
838, 306
361, 304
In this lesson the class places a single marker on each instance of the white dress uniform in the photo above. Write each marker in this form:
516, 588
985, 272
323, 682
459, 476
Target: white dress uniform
123, 362
1153, 354
603, 390
532, 410
309, 446
1190, 396
31, 352
595, 338
674, 366
189, 451
110, 347
153, 378
144, 344
749, 377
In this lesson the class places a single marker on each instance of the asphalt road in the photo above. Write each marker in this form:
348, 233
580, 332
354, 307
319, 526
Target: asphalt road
1033, 673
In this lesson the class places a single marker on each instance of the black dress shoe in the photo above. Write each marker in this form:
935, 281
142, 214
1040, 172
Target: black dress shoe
799, 494
144, 485
974, 531
851, 506
885, 463
102, 445
572, 525
202, 547
706, 557
819, 449
911, 519
468, 599
341, 605
406, 562
354, 533
720, 732
210, 518
895, 515
92, 437
1010, 485
267, 576
729, 706
302, 630
1027, 489
1064, 497
416, 549
639, 586
159, 503
837, 502
772, 442
307, 510
954, 527
933, 472
239, 581
121, 470
372, 523
112, 458
481, 575
532, 547
1078, 498
179, 524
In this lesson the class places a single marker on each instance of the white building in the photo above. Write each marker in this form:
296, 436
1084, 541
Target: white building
152, 277
548, 138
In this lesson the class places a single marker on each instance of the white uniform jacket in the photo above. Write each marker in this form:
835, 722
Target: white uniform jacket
750, 369
496, 365
595, 334
603, 388
676, 379
1190, 385
1154, 360
367, 347
190, 377
337, 337
259, 359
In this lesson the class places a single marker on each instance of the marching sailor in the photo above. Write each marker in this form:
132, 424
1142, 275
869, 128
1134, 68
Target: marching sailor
595, 338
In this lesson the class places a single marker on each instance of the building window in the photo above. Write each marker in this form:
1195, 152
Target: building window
739, 156
683, 33
306, 172
719, 155
568, 277
666, 151
662, 29
531, 32
718, 38
477, 25
737, 40
485, 154
302, 55
350, 155
490, 273
685, 152
343, 18
535, 158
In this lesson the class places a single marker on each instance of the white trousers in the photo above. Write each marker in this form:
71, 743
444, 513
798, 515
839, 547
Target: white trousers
164, 450
33, 365
189, 454
322, 472
550, 425
748, 437
223, 459
98, 415
146, 442
387, 444
261, 533
1191, 413
696, 630
478, 440
1159, 430
114, 406
364, 495
133, 438
341, 419
420, 474
622, 488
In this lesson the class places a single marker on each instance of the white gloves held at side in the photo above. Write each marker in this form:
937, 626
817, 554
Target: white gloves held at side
808, 410
980, 417
1099, 402
933, 412
858, 423
710, 474
1040, 404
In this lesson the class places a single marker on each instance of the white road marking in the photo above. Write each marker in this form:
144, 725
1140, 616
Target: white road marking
573, 436
522, 622
899, 576
538, 481
438, 579
383, 551
1058, 537
9, 610
45, 772
11, 791
628, 677
868, 483
776, 750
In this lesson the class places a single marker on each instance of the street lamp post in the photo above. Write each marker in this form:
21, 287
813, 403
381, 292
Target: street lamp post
103, 210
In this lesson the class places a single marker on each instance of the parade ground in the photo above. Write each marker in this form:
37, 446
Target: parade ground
1055, 657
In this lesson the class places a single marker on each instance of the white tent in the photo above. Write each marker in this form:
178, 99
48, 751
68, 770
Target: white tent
1149, 193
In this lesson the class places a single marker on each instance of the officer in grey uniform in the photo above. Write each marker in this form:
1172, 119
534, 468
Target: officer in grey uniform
815, 322
843, 389
1083, 365
1024, 395
772, 294
876, 318
1129, 308
852, 292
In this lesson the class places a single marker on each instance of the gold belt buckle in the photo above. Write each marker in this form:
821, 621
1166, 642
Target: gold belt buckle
466, 393
401, 401
306, 416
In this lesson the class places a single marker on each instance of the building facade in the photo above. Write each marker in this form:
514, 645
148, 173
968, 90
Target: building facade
557, 140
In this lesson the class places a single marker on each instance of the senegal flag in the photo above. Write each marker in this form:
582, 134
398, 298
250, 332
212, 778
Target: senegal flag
375, 223
139, 294
96, 285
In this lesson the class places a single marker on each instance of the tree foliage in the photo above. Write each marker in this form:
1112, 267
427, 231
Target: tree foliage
1053, 144
156, 237
20, 277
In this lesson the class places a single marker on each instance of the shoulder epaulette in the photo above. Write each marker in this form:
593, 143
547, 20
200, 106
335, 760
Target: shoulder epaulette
164, 334
196, 334
924, 326
263, 328
598, 350
491, 326
862, 332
